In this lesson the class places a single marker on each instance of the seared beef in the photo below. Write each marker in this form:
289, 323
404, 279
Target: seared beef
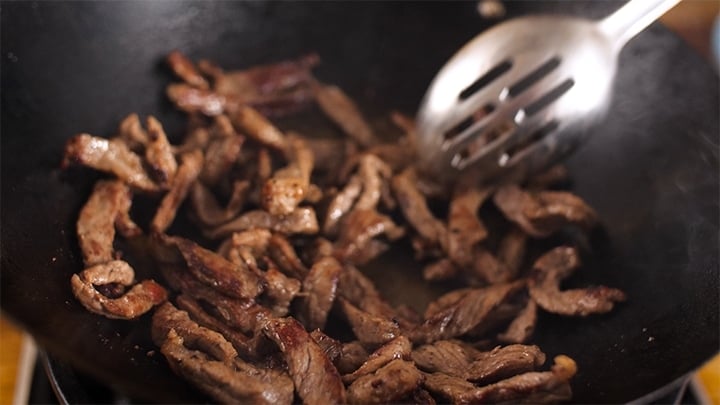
319, 288
370, 329
388, 384
356, 243
343, 112
398, 348
316, 379
300, 221
187, 173
544, 286
185, 69
158, 154
415, 208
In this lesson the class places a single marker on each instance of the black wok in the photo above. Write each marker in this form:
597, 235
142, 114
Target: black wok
651, 170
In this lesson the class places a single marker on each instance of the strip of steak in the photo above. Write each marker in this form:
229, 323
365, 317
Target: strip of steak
316, 379
357, 233
415, 208
158, 154
186, 175
343, 112
370, 329
300, 221
319, 288
544, 286
392, 382
465, 229
522, 327
185, 69
398, 348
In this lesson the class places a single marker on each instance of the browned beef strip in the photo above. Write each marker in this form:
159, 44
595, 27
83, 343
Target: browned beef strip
465, 229
231, 381
257, 127
221, 155
289, 186
445, 301
398, 348
247, 346
522, 327
487, 268
357, 232
415, 208
185, 69
130, 304
360, 291
446, 356
352, 356
123, 223
158, 154
504, 362
532, 387
281, 290
316, 379
341, 204
442, 269
542, 213
132, 133
343, 112
284, 255
208, 210
370, 329
392, 382
186, 175
331, 347
319, 288
217, 272
373, 172
421, 397
194, 100
168, 317
544, 286
97, 219
300, 221
511, 252
111, 156
465, 314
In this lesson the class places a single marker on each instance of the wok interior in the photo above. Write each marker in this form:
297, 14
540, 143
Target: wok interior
650, 170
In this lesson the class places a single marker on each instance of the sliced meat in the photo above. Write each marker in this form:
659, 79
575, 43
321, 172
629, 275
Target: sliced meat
341, 204
504, 362
167, 317
373, 172
357, 232
208, 210
193, 100
227, 381
445, 301
331, 347
217, 272
185, 69
283, 253
392, 382
475, 306
188, 172
281, 290
137, 300
398, 348
532, 387
343, 112
132, 133
108, 203
220, 156
442, 269
257, 127
522, 327
446, 356
415, 208
370, 329
352, 356
246, 346
511, 252
360, 291
319, 288
111, 156
487, 268
300, 221
316, 379
159, 155
289, 186
465, 229
542, 213
123, 223
544, 286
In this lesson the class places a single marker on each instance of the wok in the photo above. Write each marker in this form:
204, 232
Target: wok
650, 170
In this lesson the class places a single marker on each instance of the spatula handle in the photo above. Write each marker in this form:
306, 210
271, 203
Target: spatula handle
633, 17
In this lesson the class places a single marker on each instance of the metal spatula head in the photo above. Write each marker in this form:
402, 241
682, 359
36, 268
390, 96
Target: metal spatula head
520, 96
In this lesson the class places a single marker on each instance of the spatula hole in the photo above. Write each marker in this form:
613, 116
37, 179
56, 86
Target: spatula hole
547, 98
473, 150
536, 136
476, 116
533, 77
485, 79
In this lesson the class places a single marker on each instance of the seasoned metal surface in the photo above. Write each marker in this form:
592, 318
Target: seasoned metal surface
651, 171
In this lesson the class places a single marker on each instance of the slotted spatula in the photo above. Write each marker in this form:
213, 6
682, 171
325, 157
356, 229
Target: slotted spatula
519, 96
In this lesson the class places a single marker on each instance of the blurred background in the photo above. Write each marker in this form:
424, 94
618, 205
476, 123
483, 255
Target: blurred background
21, 380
